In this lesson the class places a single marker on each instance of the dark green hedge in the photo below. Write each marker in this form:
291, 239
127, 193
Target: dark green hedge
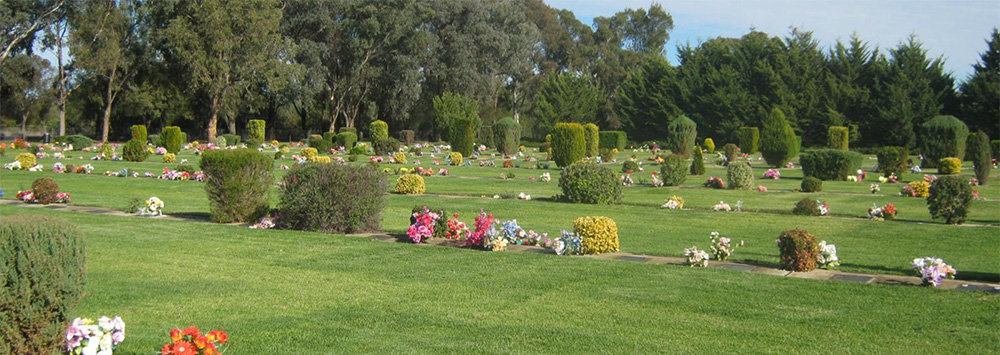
568, 143
589, 183
237, 183
829, 164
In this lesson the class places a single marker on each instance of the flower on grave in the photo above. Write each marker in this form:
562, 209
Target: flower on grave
772, 174
523, 196
875, 188
789, 165
674, 203
154, 207
852, 178
545, 177
191, 341
567, 244
827, 257
423, 225
722, 206
915, 169
695, 257
264, 223
761, 188
972, 181
882, 213
84, 336
932, 270
722, 247
456, 228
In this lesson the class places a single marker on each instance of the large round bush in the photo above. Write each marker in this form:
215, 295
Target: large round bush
590, 183
333, 198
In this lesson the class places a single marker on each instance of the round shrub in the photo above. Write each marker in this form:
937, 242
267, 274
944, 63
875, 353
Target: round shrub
107, 149
807, 207
597, 234
681, 134
698, 162
507, 135
456, 158
309, 152
237, 183
170, 157
77, 141
949, 198
830, 164
893, 160
920, 188
798, 250
950, 166
27, 160
321, 145
630, 165
838, 137
709, 145
730, 151
346, 139
944, 136
740, 176
139, 133
172, 139
358, 150
612, 140
320, 159
811, 184
569, 144
185, 168
462, 136
256, 129
592, 136
410, 184
749, 139
45, 190
777, 139
333, 198
399, 157
44, 262
981, 157
590, 183
231, 139
674, 170
220, 141
135, 150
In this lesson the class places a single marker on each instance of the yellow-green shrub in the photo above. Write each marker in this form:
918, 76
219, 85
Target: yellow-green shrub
169, 158
920, 188
320, 159
597, 234
950, 166
27, 160
309, 153
410, 184
456, 158
710, 145
399, 157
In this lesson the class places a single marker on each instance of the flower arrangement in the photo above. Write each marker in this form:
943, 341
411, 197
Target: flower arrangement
886, 212
86, 337
695, 257
932, 270
915, 169
875, 188
788, 165
161, 151
264, 223
862, 175
484, 230
930, 178
15, 165
58, 168
722, 247
26, 196
37, 167
722, 206
972, 181
827, 257
154, 207
513, 233
456, 228
62, 197
84, 169
487, 162
523, 196
916, 189
715, 182
674, 203
423, 227
545, 177
852, 178
772, 174
627, 179
190, 341
761, 188
567, 244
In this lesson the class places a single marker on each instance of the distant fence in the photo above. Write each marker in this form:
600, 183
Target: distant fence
31, 133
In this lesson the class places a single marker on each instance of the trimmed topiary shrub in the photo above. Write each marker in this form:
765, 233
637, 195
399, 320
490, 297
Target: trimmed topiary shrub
830, 164
135, 150
709, 145
811, 184
749, 138
220, 141
949, 198
674, 170
838, 137
256, 130
507, 135
798, 250
320, 144
45, 190
612, 140
184, 138
970, 146
346, 139
681, 134
630, 166
893, 160
139, 133
43, 261
172, 139
170, 157
462, 136
590, 183
944, 136
597, 234
950, 166
237, 183
378, 130
232, 139
740, 177
77, 141
333, 198
410, 184
309, 152
698, 162
981, 157
456, 158
27, 160
568, 143
777, 139
592, 136
731, 152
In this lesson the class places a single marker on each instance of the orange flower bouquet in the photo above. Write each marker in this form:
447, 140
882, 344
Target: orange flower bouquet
190, 341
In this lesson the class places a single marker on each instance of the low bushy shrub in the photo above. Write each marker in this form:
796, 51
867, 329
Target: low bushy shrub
77, 141
749, 138
807, 207
237, 183
256, 129
399, 157
950, 198
135, 151
45, 190
592, 136
220, 141
27, 160
981, 157
107, 149
462, 136
838, 137
507, 135
597, 234
456, 158
709, 145
346, 140
590, 183
944, 136
731, 152
139, 133
43, 263
612, 140
798, 250
681, 135
330, 136
172, 139
321, 145
893, 160
410, 184
232, 139
630, 165
357, 150
309, 152
569, 144
333, 198
348, 129
950, 166
698, 162
740, 176
674, 170
830, 164
155, 140
811, 184
170, 157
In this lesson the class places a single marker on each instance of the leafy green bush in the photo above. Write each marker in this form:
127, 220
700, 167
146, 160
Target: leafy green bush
597, 234
237, 183
456, 158
330, 136
78, 141
893, 160
410, 184
348, 129
674, 170
995, 149
232, 139
681, 134
811, 184
357, 149
45, 190
486, 135
43, 261
406, 136
172, 139
950, 166
807, 207
731, 151
630, 165
749, 139
507, 135
184, 138
798, 250
612, 140
830, 164
107, 149
462, 136
950, 198
321, 145
838, 137
740, 176
346, 140
698, 162
333, 198
256, 129
155, 140
777, 139
589, 183
139, 133
944, 136
568, 143
135, 150
592, 136
220, 141
379, 132
709, 145
981, 157
253, 143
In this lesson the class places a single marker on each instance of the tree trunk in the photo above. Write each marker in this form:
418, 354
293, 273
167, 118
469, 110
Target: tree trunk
109, 100
514, 104
24, 125
213, 117
60, 32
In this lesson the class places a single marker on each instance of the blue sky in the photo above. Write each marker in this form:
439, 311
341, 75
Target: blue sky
956, 30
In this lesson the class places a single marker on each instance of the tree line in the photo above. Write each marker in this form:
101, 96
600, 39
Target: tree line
312, 66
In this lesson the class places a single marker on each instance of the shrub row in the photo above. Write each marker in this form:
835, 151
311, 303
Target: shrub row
829, 164
612, 140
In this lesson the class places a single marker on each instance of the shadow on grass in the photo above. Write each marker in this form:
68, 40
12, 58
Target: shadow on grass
193, 216
961, 275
